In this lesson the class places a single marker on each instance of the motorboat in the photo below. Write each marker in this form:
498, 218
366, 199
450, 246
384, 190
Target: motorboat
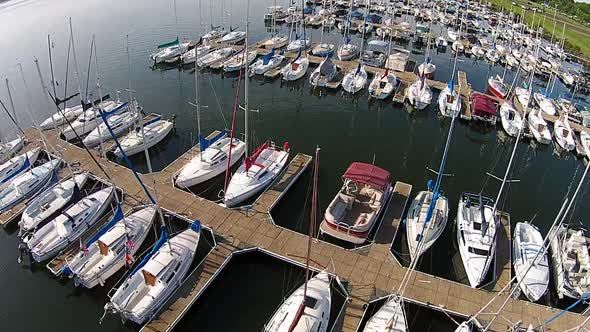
382, 86
390, 317
419, 94
376, 53
233, 37
497, 87
484, 108
112, 248
358, 206
295, 70
151, 134
563, 133
48, 240
91, 118
51, 203
449, 102
27, 184
170, 52
10, 148
476, 235
237, 62
324, 73
211, 161
157, 276
266, 63
61, 117
298, 314
531, 265
420, 232
538, 127
256, 173
510, 118
570, 261
545, 104
15, 166
355, 80
119, 124
214, 57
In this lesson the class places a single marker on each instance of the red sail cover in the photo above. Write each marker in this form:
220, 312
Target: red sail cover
252, 159
483, 105
366, 173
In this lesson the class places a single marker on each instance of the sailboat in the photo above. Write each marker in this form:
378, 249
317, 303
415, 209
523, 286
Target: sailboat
298, 43
449, 99
497, 87
382, 86
149, 134
323, 49
391, 317
427, 68
530, 266
296, 69
239, 60
538, 127
308, 307
215, 57
544, 103
419, 94
355, 80
233, 36
62, 117
169, 51
570, 261
112, 248
90, 119
324, 73
213, 155
346, 50
276, 40
267, 62
17, 165
10, 148
120, 123
510, 118
563, 133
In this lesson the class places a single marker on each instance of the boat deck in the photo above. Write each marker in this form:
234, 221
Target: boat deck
112, 145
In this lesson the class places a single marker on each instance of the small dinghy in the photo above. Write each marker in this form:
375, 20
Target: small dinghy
90, 119
169, 52
61, 117
545, 104
382, 86
47, 241
214, 57
157, 276
419, 94
256, 173
359, 204
295, 70
563, 133
27, 184
153, 133
119, 123
211, 162
510, 118
355, 80
50, 203
112, 248
391, 317
295, 314
324, 73
527, 254
233, 37
538, 127
449, 101
266, 63
418, 230
476, 235
570, 261
237, 62
9, 149
15, 166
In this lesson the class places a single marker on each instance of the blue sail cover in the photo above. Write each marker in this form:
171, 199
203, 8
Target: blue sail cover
307, 10
204, 143
196, 226
26, 165
268, 56
451, 85
298, 55
163, 238
118, 216
346, 39
118, 109
156, 119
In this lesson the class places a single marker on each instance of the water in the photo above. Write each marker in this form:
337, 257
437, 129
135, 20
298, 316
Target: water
347, 129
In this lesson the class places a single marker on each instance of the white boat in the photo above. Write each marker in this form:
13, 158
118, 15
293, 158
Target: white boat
441, 42
211, 162
157, 276
523, 96
538, 127
190, 55
476, 51
295, 70
323, 50
497, 87
51, 202
256, 173
464, 327
237, 62
458, 46
419, 94
324, 73
545, 104
27, 184
298, 44
426, 69
170, 52
476, 236
119, 123
492, 55
15, 166
348, 52
511, 61
382, 86
391, 317
359, 204
570, 261
449, 103
234, 37
313, 317
563, 133
511, 119
567, 78
61, 117
90, 119
355, 80
420, 234
276, 41
10, 148
214, 33
266, 63
153, 133
112, 248
214, 57
48, 240
585, 143
383, 32
452, 34
527, 254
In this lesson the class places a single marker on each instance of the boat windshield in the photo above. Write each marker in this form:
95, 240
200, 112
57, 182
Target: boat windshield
478, 251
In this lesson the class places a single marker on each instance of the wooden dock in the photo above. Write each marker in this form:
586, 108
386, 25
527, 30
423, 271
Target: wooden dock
465, 91
368, 274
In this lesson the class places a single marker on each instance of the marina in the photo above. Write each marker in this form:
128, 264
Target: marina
431, 202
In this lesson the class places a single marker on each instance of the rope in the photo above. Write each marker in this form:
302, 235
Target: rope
216, 99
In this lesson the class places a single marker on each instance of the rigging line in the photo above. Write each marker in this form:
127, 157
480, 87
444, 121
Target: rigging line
216, 99
11, 118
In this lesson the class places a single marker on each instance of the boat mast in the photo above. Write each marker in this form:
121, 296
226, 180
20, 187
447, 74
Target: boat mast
11, 102
197, 105
76, 70
245, 59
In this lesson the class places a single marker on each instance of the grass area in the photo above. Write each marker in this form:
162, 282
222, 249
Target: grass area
577, 35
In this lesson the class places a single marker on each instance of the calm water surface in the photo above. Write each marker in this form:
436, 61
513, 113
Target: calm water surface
347, 129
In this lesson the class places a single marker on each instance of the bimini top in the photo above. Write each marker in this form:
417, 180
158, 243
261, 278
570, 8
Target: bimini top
484, 105
366, 173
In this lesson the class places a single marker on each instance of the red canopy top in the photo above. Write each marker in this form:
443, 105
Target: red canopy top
484, 105
366, 173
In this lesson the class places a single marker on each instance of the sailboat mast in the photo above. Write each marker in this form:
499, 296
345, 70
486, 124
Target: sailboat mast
245, 58
11, 101
76, 70
314, 197
197, 105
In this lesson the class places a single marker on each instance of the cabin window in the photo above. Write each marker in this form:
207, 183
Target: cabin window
263, 174
478, 251
418, 237
462, 236
310, 302
477, 226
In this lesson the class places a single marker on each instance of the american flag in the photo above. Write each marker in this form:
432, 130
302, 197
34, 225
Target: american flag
129, 245
83, 248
